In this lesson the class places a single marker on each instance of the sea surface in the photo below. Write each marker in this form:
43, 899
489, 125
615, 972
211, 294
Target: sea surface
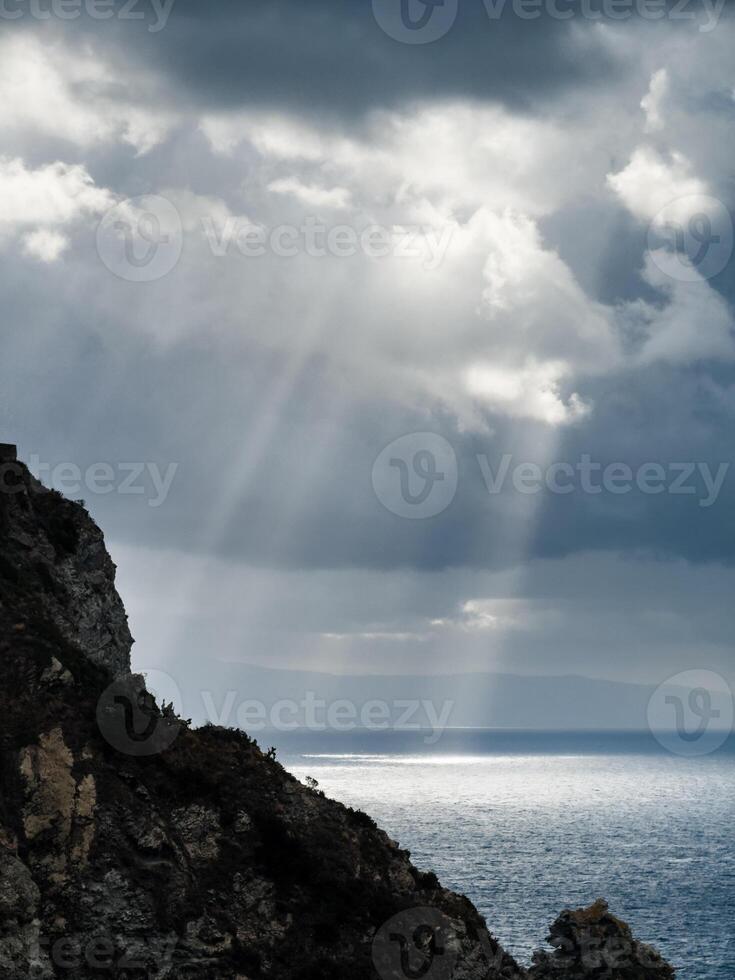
526, 824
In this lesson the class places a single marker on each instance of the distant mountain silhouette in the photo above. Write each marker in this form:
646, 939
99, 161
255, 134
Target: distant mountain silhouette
479, 700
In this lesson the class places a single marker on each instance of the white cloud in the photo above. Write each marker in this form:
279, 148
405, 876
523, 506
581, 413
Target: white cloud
272, 135
652, 101
487, 614
501, 325
71, 94
371, 636
36, 204
55, 194
45, 245
199, 211
532, 298
310, 194
542, 330
651, 183
453, 155
532, 392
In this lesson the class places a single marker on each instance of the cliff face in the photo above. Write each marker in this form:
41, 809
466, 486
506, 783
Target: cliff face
132, 846
55, 569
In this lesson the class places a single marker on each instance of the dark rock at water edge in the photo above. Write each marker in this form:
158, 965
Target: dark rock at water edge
594, 943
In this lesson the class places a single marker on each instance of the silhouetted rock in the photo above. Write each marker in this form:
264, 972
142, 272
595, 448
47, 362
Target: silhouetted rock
592, 942
55, 569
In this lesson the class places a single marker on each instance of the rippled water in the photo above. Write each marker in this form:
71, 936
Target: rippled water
528, 824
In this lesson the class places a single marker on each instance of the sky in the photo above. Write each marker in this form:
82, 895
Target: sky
377, 347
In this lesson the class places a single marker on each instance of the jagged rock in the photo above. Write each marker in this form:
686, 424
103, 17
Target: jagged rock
131, 845
55, 557
592, 942
19, 902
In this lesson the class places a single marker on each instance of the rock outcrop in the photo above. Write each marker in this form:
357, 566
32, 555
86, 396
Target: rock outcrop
594, 943
55, 568
133, 846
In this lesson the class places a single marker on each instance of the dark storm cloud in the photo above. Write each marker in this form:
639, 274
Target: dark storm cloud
334, 58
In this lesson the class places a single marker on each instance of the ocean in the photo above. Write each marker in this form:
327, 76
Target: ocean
526, 824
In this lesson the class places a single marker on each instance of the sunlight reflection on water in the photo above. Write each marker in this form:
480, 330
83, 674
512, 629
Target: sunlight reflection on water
526, 835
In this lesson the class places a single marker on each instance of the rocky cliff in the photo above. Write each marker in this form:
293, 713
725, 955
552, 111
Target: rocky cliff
133, 846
